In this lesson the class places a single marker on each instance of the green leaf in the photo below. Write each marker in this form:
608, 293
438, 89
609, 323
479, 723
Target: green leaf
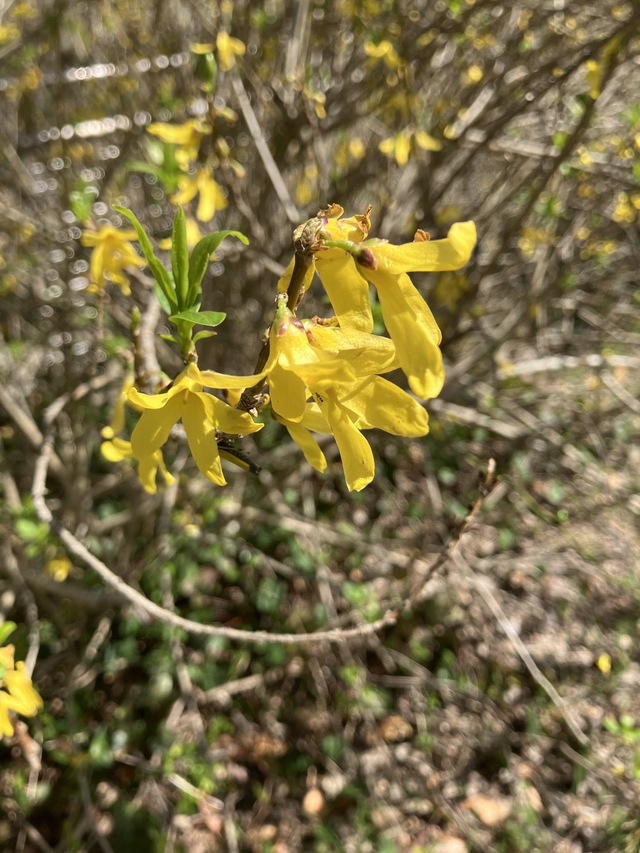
200, 258
169, 339
162, 299
200, 318
202, 336
180, 259
157, 269
6, 629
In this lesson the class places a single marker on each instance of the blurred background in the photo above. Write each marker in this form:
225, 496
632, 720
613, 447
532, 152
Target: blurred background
501, 711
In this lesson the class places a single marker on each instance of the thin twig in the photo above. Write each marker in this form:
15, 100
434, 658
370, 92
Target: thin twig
481, 585
75, 547
263, 150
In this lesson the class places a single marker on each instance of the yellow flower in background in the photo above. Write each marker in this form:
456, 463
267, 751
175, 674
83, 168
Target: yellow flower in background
58, 569
112, 254
386, 51
203, 417
593, 77
406, 315
117, 422
399, 147
19, 694
211, 196
118, 450
228, 49
187, 136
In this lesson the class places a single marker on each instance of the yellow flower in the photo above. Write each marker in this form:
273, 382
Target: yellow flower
593, 77
399, 146
385, 51
20, 695
344, 409
228, 49
203, 417
58, 568
118, 449
406, 315
112, 254
338, 368
187, 136
212, 198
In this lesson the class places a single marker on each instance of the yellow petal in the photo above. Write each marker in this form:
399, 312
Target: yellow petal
188, 190
346, 288
6, 726
228, 419
288, 394
223, 381
201, 435
426, 141
211, 197
355, 452
388, 146
24, 698
402, 148
116, 450
452, 253
155, 425
376, 403
414, 332
307, 444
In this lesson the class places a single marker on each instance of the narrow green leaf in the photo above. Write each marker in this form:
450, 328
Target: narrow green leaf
169, 339
202, 336
6, 629
162, 299
157, 269
180, 259
200, 318
200, 258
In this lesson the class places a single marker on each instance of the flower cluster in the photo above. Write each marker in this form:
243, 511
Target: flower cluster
324, 376
112, 255
18, 694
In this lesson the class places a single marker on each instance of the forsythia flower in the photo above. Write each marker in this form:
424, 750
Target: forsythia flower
187, 136
406, 315
118, 449
228, 49
399, 147
203, 417
339, 369
19, 694
211, 196
112, 254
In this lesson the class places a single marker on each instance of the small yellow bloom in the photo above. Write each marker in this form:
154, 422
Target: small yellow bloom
112, 254
212, 198
399, 147
188, 136
58, 569
19, 696
339, 369
406, 315
203, 417
228, 48
118, 449
593, 77
385, 51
